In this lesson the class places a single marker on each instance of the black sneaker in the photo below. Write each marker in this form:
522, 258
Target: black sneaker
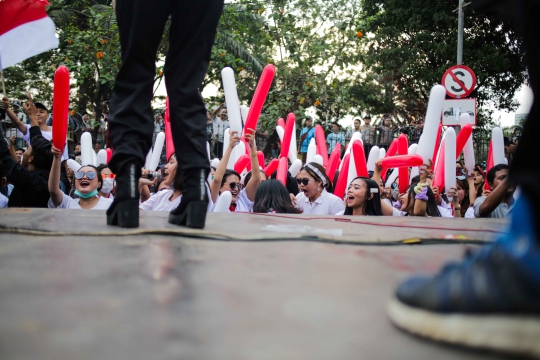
490, 300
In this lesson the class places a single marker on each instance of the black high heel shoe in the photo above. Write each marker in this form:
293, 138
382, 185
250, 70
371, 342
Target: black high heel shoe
124, 211
193, 215
192, 209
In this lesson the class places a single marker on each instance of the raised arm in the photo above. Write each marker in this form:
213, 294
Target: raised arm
387, 210
494, 199
54, 177
12, 147
472, 189
220, 171
11, 115
30, 110
421, 198
251, 187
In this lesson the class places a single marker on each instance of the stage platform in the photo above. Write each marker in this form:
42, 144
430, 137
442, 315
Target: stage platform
248, 286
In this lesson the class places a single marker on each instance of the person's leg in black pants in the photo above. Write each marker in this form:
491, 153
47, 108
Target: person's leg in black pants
141, 24
193, 30
525, 167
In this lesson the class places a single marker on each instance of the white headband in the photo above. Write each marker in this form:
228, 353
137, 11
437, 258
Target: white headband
319, 174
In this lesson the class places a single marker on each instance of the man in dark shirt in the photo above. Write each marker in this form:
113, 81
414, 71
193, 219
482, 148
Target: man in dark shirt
29, 179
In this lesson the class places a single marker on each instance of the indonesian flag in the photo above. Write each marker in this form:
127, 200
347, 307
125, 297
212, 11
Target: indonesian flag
25, 30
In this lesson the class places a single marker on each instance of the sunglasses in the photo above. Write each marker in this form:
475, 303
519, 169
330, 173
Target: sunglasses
91, 175
303, 181
233, 186
108, 176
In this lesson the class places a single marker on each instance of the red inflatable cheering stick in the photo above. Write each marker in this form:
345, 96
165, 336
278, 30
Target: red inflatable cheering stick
403, 148
271, 167
260, 97
333, 162
282, 171
400, 161
241, 163
341, 184
392, 150
169, 143
109, 154
359, 159
462, 138
60, 107
260, 158
321, 144
289, 128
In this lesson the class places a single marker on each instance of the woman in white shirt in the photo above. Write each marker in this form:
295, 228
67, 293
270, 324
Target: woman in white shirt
166, 199
314, 197
362, 198
108, 182
229, 180
88, 182
460, 197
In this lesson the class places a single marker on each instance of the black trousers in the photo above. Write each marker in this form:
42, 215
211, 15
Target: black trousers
192, 33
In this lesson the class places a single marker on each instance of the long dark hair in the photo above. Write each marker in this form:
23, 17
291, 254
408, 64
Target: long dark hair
313, 174
465, 203
431, 206
271, 196
371, 206
290, 184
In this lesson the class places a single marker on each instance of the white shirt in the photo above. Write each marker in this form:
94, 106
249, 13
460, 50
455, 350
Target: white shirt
3, 201
469, 214
326, 204
397, 212
160, 201
47, 135
243, 204
219, 128
445, 212
69, 203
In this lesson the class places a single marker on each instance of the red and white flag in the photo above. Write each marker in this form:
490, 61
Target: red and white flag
25, 30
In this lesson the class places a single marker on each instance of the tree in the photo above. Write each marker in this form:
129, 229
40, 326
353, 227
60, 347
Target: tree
412, 43
89, 47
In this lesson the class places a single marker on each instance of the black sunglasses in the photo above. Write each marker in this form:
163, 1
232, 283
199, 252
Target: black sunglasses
304, 181
91, 175
233, 186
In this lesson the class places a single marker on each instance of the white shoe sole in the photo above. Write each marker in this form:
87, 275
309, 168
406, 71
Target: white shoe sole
507, 333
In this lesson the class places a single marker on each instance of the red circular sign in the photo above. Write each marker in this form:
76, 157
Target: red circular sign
459, 81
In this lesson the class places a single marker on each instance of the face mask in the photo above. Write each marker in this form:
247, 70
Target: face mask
86, 196
395, 193
107, 186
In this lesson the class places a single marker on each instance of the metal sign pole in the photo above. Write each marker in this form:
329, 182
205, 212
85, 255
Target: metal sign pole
460, 33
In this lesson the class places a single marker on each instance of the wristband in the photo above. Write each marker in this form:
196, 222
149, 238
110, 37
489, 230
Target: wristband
422, 195
420, 187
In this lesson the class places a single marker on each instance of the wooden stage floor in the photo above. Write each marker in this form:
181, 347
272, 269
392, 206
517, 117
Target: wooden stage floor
247, 287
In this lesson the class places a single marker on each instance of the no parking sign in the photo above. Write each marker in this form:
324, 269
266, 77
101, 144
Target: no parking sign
459, 81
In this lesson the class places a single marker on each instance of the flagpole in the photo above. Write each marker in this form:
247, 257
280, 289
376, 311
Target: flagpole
3, 84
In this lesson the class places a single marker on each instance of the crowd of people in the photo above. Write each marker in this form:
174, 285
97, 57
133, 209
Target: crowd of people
39, 176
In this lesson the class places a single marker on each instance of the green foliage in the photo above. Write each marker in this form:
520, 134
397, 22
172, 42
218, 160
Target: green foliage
414, 42
336, 57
